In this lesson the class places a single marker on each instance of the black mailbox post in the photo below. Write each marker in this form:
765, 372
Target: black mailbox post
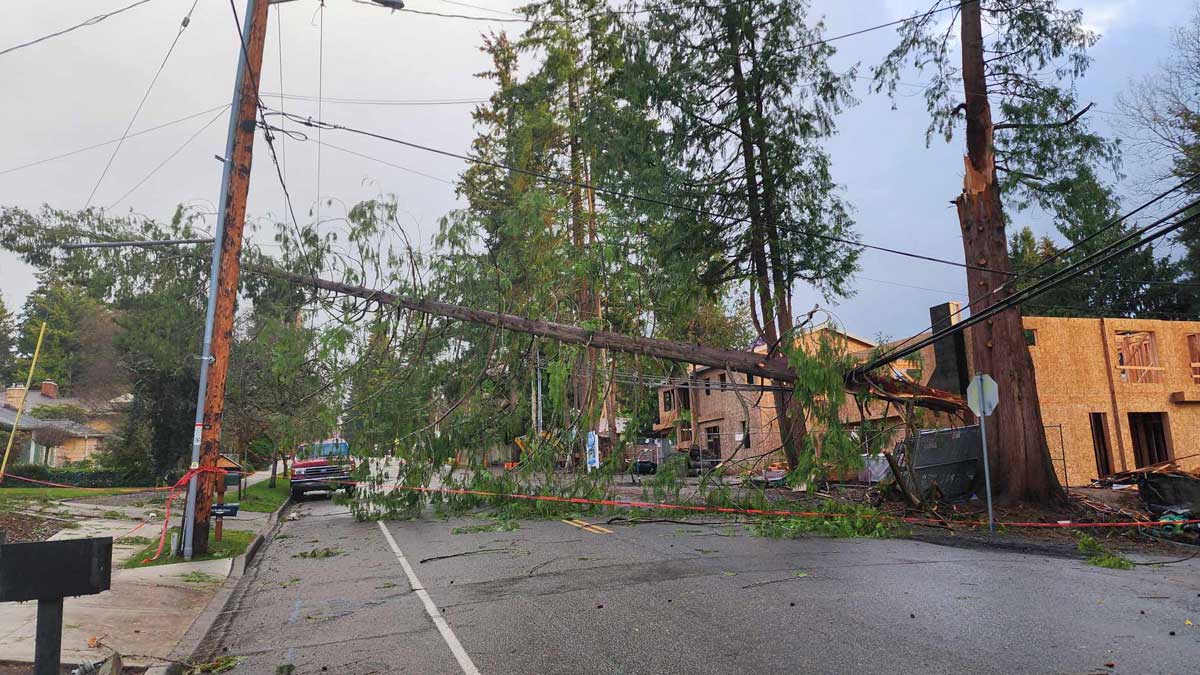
49, 571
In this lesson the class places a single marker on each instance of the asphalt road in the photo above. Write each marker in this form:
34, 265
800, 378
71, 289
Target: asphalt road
666, 598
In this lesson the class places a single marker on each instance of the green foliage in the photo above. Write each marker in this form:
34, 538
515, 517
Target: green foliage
821, 363
261, 498
65, 309
498, 526
837, 520
60, 411
1113, 561
233, 543
221, 664
1163, 110
320, 553
1036, 52
1135, 285
8, 344
93, 477
130, 321
1099, 556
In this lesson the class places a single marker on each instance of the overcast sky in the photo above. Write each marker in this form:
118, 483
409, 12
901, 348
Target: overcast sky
81, 89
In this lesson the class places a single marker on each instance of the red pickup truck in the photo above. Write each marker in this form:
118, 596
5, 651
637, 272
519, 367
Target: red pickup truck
323, 465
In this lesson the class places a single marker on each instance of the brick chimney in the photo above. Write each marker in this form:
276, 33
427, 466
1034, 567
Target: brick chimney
12, 395
950, 369
49, 389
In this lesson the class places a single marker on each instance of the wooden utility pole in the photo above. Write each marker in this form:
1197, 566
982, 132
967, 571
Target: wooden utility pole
1017, 437
232, 221
752, 363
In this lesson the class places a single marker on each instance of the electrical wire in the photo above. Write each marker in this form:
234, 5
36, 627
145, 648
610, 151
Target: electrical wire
283, 138
320, 102
90, 22
168, 159
385, 163
377, 101
187, 19
1136, 239
267, 136
115, 140
318, 124
1113, 222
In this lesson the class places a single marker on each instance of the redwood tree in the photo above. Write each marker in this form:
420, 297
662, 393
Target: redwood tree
1029, 59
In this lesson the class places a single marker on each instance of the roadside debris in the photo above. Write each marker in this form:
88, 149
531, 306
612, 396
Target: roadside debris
109, 666
329, 552
477, 552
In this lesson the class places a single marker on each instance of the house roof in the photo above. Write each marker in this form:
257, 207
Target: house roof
35, 398
8, 417
74, 428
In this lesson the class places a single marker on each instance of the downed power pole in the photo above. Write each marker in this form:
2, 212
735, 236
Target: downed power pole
750, 363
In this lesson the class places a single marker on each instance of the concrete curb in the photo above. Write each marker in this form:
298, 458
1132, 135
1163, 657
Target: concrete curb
185, 650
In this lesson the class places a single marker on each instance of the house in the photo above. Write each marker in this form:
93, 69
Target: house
78, 441
1126, 392
720, 415
1115, 394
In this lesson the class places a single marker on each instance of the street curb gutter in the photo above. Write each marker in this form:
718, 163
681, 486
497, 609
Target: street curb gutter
189, 644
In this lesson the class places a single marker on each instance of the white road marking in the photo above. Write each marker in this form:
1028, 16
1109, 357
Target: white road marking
460, 654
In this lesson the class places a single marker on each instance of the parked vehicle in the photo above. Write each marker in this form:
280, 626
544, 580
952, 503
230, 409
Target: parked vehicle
323, 465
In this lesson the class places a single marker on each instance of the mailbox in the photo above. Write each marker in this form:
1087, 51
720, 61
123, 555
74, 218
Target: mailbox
55, 569
48, 571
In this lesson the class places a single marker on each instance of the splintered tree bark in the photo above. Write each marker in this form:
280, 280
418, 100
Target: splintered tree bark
1021, 467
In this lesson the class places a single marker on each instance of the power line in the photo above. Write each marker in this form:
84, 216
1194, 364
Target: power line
1134, 240
897, 22
168, 158
90, 22
320, 102
464, 16
187, 19
1113, 222
260, 109
279, 42
115, 140
385, 163
318, 124
919, 288
376, 101
486, 9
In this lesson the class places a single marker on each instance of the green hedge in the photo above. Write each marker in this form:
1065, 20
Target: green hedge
76, 477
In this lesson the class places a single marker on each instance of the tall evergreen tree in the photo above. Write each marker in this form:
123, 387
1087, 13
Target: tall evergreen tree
744, 112
1025, 56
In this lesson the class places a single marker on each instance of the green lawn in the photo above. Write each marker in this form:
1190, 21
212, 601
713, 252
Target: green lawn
11, 497
233, 542
262, 499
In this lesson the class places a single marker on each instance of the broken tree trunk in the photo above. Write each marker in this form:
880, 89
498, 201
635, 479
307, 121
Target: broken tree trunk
1016, 437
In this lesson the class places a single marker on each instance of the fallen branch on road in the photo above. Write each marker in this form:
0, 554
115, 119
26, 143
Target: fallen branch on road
480, 551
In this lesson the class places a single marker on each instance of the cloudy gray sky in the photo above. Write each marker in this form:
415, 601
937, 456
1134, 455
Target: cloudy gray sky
81, 89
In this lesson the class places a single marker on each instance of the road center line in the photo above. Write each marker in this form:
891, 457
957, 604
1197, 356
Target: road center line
456, 648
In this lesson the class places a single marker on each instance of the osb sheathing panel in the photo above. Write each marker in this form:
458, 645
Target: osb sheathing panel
1074, 380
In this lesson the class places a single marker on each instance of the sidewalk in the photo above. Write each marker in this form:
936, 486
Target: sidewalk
147, 611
